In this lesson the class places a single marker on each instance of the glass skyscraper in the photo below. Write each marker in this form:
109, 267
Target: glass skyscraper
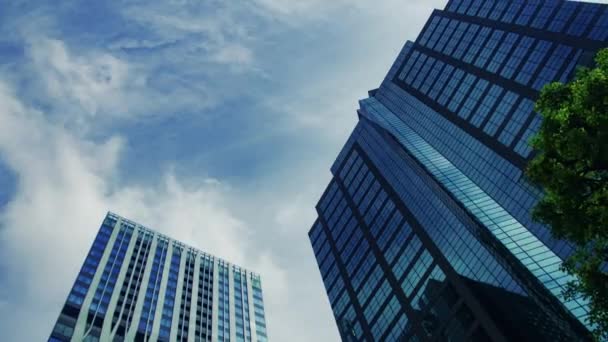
424, 232
139, 285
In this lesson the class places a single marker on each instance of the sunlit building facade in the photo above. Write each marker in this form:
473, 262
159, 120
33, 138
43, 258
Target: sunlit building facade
139, 285
424, 232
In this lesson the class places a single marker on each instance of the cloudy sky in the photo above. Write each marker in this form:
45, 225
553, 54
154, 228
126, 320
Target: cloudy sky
214, 122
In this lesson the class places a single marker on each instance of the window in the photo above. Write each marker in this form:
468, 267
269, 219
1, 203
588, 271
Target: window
445, 37
486, 105
455, 39
560, 19
437, 33
526, 14
449, 89
523, 147
544, 13
568, 71
503, 50
407, 67
552, 67
438, 86
600, 29
583, 19
417, 66
416, 273
385, 318
517, 57
474, 8
516, 122
427, 293
485, 9
460, 94
424, 37
498, 9
467, 39
489, 48
473, 98
424, 72
533, 61
407, 257
504, 107
512, 11
478, 42
464, 5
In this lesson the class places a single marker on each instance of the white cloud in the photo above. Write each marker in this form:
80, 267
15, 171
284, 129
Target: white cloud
87, 84
82, 88
65, 185
235, 53
211, 31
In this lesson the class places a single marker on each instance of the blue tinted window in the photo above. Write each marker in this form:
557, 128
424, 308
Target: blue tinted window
478, 42
396, 245
376, 301
433, 74
424, 72
600, 29
445, 37
464, 5
453, 5
407, 68
363, 270
553, 65
533, 61
473, 98
489, 48
368, 287
559, 20
486, 105
516, 57
501, 53
407, 257
463, 46
449, 89
474, 8
485, 9
455, 39
545, 12
415, 69
385, 318
565, 76
416, 273
523, 146
500, 222
438, 87
504, 107
422, 296
496, 13
580, 24
462, 91
357, 257
391, 228
438, 32
424, 37
526, 14
512, 11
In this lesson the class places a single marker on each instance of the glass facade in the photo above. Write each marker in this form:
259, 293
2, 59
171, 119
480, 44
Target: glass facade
138, 285
425, 231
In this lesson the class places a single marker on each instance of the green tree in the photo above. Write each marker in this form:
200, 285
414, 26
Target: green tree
571, 165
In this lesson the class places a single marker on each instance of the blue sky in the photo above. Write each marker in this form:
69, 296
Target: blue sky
214, 122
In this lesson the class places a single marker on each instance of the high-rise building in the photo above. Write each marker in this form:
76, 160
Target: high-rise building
424, 231
139, 285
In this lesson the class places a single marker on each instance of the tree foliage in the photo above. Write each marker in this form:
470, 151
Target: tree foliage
571, 165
